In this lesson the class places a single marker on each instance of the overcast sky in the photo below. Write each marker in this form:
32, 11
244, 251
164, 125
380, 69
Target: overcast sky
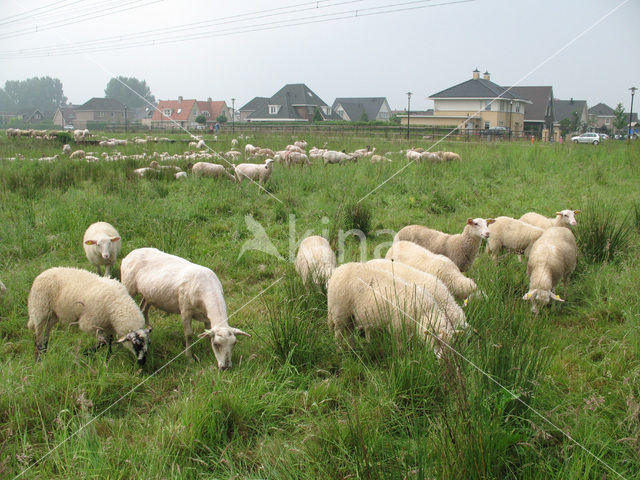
423, 50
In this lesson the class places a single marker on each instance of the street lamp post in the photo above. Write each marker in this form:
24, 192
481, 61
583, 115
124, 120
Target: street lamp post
233, 116
633, 92
126, 126
408, 112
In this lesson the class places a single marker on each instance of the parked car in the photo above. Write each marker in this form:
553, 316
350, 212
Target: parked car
68, 127
495, 131
587, 137
604, 136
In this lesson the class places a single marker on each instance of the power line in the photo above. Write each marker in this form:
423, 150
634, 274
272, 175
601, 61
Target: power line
365, 12
29, 13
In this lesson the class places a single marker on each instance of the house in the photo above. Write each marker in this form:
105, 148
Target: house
292, 103
602, 115
65, 115
30, 115
539, 116
476, 104
564, 110
251, 107
183, 113
99, 110
362, 109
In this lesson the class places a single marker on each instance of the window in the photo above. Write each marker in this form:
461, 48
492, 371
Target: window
179, 111
517, 107
501, 124
487, 125
273, 109
167, 112
100, 114
607, 121
326, 110
487, 105
206, 113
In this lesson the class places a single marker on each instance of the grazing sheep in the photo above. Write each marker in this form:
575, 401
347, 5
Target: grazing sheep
201, 144
430, 156
553, 258
448, 156
234, 142
175, 285
413, 155
301, 144
297, 158
232, 154
462, 248
379, 159
257, 172
332, 157
514, 235
364, 298
78, 154
294, 148
250, 149
442, 267
154, 164
432, 284
102, 245
264, 152
563, 218
144, 171
66, 149
180, 175
206, 169
364, 152
98, 305
315, 260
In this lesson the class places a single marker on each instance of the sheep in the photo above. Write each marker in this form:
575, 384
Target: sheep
264, 152
430, 156
250, 149
297, 158
462, 248
294, 148
154, 164
232, 154
448, 156
201, 144
332, 157
180, 175
144, 171
365, 298
315, 260
553, 258
78, 154
413, 155
260, 172
563, 218
436, 287
364, 152
206, 169
66, 149
234, 142
442, 267
379, 159
94, 303
301, 144
175, 285
102, 245
512, 234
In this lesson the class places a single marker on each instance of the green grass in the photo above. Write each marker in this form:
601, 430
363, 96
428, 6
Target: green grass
294, 406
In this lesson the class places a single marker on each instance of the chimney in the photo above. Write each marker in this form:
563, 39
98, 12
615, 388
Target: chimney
486, 76
571, 101
180, 99
476, 74
209, 100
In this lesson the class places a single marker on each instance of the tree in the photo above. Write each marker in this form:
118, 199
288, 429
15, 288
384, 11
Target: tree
221, 118
364, 117
201, 119
44, 93
129, 91
622, 120
317, 116
395, 119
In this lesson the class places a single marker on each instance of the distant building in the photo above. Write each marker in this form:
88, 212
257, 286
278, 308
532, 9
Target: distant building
602, 115
102, 110
564, 110
65, 116
183, 113
540, 114
251, 107
292, 103
355, 109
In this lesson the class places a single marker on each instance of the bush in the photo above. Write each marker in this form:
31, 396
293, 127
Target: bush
358, 216
603, 232
64, 137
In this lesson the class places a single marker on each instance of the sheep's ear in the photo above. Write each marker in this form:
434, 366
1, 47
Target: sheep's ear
559, 213
576, 212
237, 331
206, 333
115, 239
528, 295
490, 221
125, 338
556, 297
469, 221
90, 242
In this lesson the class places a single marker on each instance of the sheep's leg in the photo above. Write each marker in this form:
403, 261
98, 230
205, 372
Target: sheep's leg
144, 307
42, 334
188, 335
99, 270
103, 341
107, 270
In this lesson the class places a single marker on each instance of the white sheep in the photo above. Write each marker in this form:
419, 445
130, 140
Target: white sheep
332, 157
552, 259
301, 144
66, 149
206, 169
442, 267
315, 260
157, 166
294, 148
462, 248
379, 159
514, 235
430, 156
232, 154
297, 158
234, 142
180, 175
77, 154
257, 172
363, 298
250, 149
175, 285
413, 155
448, 156
102, 245
563, 218
144, 171
98, 305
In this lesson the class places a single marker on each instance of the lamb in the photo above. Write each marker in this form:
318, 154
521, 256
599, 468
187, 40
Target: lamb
180, 175
154, 164
364, 152
301, 144
175, 285
413, 155
264, 152
78, 154
512, 234
102, 245
440, 266
365, 298
206, 169
234, 142
66, 149
256, 172
297, 158
332, 157
553, 258
462, 248
563, 218
379, 159
144, 171
448, 156
294, 148
315, 260
445, 301
430, 156
201, 144
96, 304
232, 154
250, 149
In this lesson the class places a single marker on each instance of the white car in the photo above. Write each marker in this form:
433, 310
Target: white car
588, 137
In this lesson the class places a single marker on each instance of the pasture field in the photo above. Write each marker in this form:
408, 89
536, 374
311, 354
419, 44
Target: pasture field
553, 396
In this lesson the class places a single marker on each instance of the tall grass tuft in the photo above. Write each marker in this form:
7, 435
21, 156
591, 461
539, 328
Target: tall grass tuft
604, 232
358, 216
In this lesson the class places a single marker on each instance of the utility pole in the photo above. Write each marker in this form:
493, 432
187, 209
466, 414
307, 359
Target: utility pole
126, 126
233, 116
633, 92
408, 112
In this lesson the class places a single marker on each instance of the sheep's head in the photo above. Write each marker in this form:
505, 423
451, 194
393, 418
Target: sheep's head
103, 245
540, 298
568, 216
137, 342
268, 162
479, 226
223, 338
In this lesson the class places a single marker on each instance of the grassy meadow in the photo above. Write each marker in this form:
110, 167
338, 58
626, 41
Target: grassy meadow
553, 396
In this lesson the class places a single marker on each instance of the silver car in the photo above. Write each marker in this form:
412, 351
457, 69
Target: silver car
588, 137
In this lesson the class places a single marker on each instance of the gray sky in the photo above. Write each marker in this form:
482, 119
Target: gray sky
421, 50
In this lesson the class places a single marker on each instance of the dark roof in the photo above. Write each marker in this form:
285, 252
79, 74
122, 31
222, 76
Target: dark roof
602, 110
105, 104
563, 108
355, 107
540, 98
476, 88
288, 97
634, 117
254, 104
